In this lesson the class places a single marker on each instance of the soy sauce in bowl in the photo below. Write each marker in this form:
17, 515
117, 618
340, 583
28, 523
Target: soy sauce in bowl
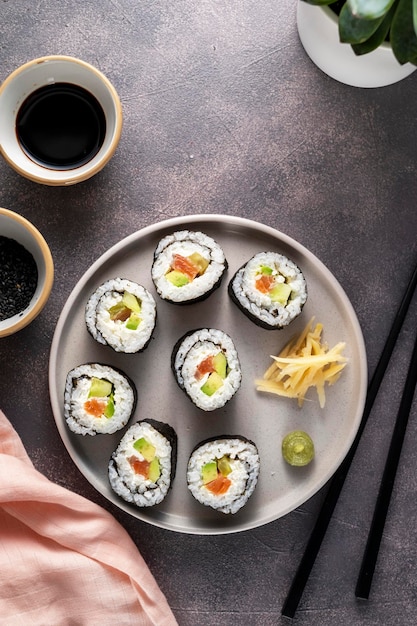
61, 126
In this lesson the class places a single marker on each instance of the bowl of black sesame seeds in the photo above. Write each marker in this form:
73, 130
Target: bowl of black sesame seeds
26, 272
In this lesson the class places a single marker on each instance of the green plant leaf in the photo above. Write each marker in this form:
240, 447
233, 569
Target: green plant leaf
415, 16
402, 36
354, 30
319, 2
379, 36
369, 9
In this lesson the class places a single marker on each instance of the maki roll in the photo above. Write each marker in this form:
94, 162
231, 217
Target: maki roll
121, 314
98, 399
223, 472
206, 366
142, 467
270, 290
188, 266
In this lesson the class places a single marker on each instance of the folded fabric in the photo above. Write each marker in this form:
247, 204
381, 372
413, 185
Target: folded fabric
63, 559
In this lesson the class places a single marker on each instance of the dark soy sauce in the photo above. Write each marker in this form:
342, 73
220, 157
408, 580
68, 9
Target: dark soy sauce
61, 126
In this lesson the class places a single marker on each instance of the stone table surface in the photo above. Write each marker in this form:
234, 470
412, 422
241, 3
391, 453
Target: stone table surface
225, 114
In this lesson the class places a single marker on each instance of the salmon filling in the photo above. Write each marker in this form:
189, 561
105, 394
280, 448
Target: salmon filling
95, 406
219, 485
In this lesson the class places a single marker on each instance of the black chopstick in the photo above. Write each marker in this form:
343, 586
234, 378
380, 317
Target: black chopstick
370, 556
336, 482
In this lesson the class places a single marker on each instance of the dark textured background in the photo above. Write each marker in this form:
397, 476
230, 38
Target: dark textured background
224, 113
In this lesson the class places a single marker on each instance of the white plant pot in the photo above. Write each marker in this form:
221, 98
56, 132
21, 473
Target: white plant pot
319, 34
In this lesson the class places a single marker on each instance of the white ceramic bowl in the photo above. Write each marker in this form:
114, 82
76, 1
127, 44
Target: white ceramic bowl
46, 71
14, 226
319, 35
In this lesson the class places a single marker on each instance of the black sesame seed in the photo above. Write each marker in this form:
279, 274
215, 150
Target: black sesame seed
18, 277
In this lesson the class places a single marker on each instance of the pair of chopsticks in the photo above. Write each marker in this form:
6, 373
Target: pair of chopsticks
336, 483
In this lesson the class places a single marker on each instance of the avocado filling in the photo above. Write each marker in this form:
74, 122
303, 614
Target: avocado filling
184, 270
147, 463
214, 475
267, 282
127, 311
216, 368
100, 398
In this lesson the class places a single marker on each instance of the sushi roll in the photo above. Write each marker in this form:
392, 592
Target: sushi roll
121, 314
206, 366
270, 290
142, 467
188, 266
223, 472
98, 399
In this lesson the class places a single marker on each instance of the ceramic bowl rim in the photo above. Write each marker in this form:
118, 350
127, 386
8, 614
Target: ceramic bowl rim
33, 310
68, 177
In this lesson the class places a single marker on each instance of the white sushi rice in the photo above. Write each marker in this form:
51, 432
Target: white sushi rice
194, 349
260, 305
77, 389
244, 461
186, 243
114, 332
134, 487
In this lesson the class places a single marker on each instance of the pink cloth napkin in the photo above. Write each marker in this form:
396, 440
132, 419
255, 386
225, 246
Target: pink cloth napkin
63, 559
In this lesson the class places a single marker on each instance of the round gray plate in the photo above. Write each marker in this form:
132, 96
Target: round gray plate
263, 418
